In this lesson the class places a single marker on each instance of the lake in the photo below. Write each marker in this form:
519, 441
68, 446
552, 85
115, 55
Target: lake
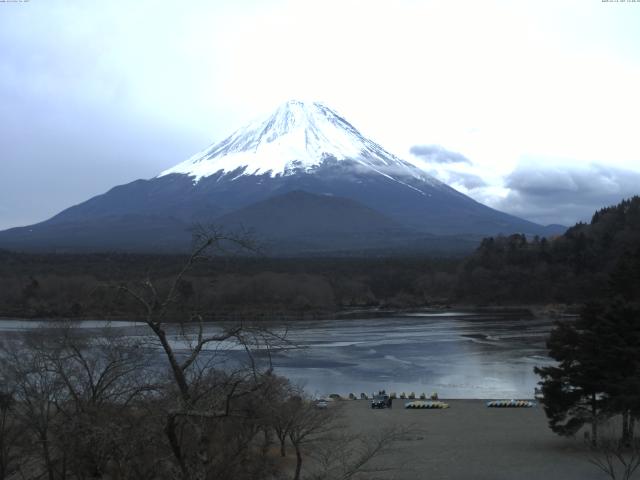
456, 354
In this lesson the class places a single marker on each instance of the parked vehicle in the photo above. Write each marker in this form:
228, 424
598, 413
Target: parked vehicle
381, 401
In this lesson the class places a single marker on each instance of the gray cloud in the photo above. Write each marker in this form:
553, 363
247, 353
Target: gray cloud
566, 195
54, 157
438, 154
71, 127
467, 180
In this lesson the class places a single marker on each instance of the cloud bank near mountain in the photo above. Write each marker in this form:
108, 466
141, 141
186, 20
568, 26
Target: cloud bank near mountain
438, 154
566, 194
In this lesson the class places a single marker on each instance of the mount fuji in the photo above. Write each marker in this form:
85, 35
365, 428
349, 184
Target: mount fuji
303, 178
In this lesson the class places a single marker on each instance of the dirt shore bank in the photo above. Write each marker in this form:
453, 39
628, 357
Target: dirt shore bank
470, 441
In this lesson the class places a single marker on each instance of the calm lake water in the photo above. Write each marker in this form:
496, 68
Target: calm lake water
458, 355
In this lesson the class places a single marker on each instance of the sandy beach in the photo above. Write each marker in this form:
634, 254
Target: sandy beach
470, 441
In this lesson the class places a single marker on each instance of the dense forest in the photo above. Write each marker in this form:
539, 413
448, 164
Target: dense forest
85, 285
507, 270
575, 267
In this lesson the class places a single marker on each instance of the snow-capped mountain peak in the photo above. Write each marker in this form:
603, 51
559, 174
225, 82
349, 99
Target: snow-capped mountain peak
298, 136
304, 179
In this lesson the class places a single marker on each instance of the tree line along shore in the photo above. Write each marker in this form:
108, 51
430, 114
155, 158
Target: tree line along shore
589, 259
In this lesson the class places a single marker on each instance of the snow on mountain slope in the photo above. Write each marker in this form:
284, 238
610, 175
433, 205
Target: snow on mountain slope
303, 176
298, 136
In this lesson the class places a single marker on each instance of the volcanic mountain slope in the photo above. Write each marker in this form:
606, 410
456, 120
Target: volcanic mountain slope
301, 147
297, 212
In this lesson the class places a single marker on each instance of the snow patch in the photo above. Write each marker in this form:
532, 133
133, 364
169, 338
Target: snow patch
299, 135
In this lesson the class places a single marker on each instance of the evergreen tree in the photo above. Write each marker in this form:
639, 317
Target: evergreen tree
625, 277
598, 370
619, 331
573, 390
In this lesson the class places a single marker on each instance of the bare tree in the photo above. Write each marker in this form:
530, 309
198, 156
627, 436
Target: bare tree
204, 394
10, 437
102, 374
307, 424
72, 390
281, 419
616, 458
347, 456
37, 392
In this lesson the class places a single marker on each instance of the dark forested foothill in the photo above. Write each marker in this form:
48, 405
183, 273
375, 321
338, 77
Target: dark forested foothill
586, 262
571, 268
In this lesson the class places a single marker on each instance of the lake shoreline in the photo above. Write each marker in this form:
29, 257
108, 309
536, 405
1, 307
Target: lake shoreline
534, 311
458, 355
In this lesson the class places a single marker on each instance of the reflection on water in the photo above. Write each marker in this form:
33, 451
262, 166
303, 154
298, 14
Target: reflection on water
458, 355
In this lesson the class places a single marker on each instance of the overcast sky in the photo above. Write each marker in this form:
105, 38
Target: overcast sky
530, 106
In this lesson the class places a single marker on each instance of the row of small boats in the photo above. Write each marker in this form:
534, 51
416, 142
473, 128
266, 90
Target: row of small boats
426, 404
510, 404
419, 404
